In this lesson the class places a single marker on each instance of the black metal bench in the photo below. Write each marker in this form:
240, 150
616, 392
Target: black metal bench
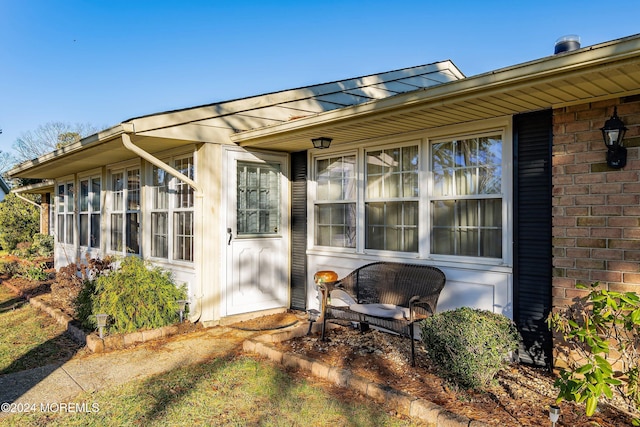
387, 295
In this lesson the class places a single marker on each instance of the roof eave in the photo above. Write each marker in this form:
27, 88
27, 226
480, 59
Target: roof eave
521, 74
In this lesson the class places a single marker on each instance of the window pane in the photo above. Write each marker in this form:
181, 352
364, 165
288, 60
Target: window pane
133, 233
117, 188
184, 191
392, 226
95, 194
116, 232
183, 238
336, 225
336, 178
70, 198
84, 196
133, 189
392, 173
159, 235
84, 230
258, 196
69, 228
160, 188
94, 237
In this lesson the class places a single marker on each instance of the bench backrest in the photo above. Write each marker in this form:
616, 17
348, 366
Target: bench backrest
394, 283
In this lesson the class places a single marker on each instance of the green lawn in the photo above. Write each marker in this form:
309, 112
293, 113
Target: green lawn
237, 392
29, 338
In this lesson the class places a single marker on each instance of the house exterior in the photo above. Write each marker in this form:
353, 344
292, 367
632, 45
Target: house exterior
498, 179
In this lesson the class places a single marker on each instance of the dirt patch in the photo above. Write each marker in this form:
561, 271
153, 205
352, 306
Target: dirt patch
520, 395
268, 323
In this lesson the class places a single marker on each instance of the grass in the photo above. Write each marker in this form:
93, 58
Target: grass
237, 392
240, 391
29, 338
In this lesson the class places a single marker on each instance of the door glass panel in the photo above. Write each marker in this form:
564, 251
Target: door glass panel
258, 209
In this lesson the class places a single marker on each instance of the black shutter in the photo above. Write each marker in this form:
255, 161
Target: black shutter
299, 230
532, 234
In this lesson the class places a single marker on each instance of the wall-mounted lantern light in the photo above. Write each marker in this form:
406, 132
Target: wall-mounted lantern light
322, 142
613, 132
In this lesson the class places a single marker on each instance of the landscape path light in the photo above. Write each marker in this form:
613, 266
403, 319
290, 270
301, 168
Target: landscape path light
101, 320
554, 414
182, 305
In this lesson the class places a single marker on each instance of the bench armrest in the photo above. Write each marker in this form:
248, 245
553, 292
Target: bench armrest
418, 301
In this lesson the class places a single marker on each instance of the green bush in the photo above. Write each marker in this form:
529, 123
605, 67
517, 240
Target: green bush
602, 348
35, 273
469, 346
135, 296
19, 221
11, 266
42, 245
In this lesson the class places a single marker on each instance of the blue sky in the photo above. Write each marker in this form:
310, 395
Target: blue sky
102, 62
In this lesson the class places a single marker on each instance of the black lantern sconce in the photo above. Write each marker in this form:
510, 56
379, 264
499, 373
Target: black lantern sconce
322, 142
613, 132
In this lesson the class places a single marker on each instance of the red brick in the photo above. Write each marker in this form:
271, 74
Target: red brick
563, 117
624, 221
624, 244
576, 189
591, 178
592, 221
578, 253
631, 188
578, 232
608, 254
577, 211
607, 233
589, 157
592, 200
592, 113
576, 293
632, 267
567, 221
632, 255
564, 242
577, 148
606, 210
631, 233
622, 176
577, 169
564, 262
631, 279
566, 159
623, 199
563, 283
590, 136
562, 180
624, 287
577, 126
606, 276
606, 189
563, 201
591, 264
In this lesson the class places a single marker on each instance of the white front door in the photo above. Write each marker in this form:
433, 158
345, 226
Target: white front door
257, 227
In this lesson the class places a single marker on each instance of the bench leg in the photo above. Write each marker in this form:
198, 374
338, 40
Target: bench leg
413, 346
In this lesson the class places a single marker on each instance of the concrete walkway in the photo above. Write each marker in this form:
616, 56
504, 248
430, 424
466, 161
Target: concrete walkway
59, 383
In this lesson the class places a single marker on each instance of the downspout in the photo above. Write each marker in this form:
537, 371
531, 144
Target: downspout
194, 316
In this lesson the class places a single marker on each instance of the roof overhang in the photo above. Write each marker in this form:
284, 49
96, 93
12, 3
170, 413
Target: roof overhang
46, 186
604, 71
95, 151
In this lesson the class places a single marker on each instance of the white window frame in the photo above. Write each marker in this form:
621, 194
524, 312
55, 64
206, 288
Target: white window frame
499, 126
177, 192
319, 203
65, 211
124, 210
93, 209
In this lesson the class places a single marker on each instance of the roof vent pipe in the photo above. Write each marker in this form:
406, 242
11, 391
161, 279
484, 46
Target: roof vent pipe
567, 44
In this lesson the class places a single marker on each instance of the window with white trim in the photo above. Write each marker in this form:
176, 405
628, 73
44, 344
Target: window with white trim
335, 203
466, 204
89, 212
391, 199
125, 211
65, 212
172, 206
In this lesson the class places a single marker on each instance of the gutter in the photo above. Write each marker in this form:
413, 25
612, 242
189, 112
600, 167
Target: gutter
199, 208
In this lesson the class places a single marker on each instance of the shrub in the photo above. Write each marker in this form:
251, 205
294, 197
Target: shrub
18, 222
469, 346
135, 296
11, 266
42, 245
35, 273
602, 337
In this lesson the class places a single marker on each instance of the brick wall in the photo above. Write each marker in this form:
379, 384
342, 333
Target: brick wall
596, 209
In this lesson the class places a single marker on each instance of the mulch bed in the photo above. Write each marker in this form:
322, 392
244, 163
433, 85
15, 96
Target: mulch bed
520, 395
